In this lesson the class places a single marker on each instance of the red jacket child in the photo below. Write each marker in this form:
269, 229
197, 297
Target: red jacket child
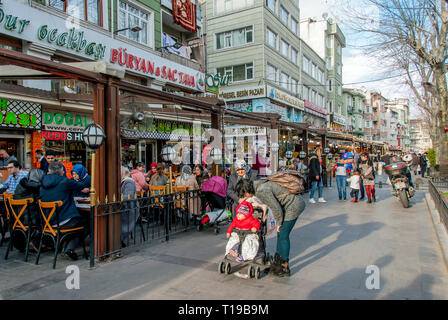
244, 219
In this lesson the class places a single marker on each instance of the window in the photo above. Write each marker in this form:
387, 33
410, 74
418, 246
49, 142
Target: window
306, 93
340, 90
223, 6
271, 4
271, 38
284, 48
294, 55
330, 106
329, 44
284, 80
88, 10
234, 38
294, 85
313, 97
294, 25
129, 16
328, 61
271, 73
339, 69
313, 70
284, 15
320, 76
330, 85
239, 72
306, 64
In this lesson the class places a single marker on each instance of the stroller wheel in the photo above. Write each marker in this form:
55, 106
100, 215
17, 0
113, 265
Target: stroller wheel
257, 272
250, 271
199, 227
221, 267
228, 268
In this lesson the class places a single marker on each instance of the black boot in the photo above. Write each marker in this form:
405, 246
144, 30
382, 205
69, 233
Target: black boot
283, 271
275, 266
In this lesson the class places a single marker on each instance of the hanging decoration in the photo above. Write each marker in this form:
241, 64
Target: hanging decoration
184, 14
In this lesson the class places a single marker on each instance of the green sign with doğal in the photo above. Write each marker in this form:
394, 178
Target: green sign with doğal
20, 114
65, 121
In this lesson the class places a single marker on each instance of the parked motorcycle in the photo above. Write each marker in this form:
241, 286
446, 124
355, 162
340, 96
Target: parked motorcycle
399, 173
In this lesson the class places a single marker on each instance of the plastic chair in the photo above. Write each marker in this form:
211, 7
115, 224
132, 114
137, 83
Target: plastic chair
5, 216
58, 234
16, 223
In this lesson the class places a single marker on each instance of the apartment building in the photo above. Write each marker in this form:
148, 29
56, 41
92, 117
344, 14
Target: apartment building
327, 39
375, 102
355, 106
397, 117
419, 135
258, 59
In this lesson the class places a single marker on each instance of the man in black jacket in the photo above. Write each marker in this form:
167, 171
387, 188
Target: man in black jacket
42, 160
423, 163
315, 174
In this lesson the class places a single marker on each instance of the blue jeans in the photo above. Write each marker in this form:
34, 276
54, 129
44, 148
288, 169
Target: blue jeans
316, 184
341, 182
283, 242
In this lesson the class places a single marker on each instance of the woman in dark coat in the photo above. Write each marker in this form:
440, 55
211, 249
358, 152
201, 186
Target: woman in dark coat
29, 187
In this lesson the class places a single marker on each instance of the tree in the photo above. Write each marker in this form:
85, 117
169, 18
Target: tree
410, 37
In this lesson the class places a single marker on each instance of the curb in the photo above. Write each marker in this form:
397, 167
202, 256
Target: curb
438, 227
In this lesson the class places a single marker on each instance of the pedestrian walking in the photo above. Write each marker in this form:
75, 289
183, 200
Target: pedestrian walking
424, 163
361, 182
341, 178
354, 185
315, 166
368, 177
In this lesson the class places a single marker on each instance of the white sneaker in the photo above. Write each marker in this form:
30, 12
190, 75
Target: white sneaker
312, 200
322, 200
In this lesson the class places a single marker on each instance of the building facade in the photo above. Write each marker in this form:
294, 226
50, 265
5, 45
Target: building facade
375, 103
397, 115
124, 38
419, 135
355, 106
257, 62
327, 39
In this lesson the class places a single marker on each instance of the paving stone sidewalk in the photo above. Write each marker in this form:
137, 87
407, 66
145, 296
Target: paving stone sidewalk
331, 246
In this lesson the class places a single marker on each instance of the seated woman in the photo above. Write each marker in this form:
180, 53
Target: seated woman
159, 179
201, 174
187, 179
79, 173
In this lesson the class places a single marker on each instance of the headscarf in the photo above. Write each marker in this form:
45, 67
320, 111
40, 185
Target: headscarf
125, 174
80, 170
36, 175
186, 173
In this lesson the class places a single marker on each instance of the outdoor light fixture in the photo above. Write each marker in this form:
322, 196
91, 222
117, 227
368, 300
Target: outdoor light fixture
168, 154
302, 155
288, 154
295, 138
330, 156
326, 150
133, 29
93, 136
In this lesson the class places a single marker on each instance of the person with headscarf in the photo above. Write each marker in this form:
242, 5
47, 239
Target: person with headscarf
129, 206
187, 179
151, 172
79, 174
242, 171
201, 174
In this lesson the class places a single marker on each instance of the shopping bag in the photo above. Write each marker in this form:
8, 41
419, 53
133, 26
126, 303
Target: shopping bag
271, 224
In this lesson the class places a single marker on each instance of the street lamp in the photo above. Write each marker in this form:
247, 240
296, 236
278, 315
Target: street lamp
168, 154
326, 150
288, 155
133, 29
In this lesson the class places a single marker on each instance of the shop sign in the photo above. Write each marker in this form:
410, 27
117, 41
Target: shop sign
61, 136
65, 121
243, 93
244, 131
214, 82
311, 108
20, 114
338, 120
34, 25
285, 98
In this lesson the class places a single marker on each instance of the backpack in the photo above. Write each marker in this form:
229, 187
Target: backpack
292, 181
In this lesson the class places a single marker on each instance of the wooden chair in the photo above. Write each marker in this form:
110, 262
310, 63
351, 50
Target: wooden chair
47, 210
181, 203
16, 222
156, 192
4, 215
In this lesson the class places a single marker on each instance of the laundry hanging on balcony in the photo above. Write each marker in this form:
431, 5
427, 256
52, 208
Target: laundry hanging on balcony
184, 14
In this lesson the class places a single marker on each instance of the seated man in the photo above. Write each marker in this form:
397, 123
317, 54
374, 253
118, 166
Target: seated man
15, 175
57, 187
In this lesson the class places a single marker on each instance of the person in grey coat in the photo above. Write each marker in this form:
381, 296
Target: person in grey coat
129, 209
242, 171
286, 209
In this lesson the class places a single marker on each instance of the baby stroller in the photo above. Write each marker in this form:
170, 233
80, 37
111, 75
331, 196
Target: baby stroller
261, 259
213, 197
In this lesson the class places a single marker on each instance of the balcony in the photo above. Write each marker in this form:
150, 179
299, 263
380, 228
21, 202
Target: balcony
350, 110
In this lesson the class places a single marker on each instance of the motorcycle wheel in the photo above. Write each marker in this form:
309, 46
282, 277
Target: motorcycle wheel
404, 198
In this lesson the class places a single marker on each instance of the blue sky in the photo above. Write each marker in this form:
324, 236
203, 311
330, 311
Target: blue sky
357, 67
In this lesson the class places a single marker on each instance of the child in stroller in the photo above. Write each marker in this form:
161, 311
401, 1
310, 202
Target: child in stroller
247, 233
